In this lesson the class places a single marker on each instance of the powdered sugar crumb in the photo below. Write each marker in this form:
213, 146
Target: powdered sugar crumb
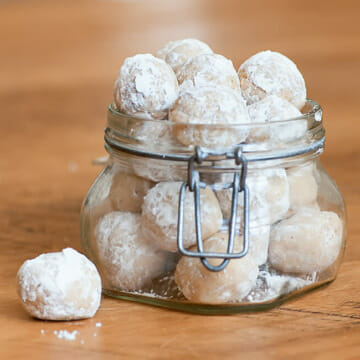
66, 335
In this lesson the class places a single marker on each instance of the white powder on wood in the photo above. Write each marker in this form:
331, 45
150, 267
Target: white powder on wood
66, 335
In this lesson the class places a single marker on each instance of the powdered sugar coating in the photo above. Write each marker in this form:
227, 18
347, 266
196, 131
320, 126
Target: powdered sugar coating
209, 106
271, 73
269, 197
259, 243
202, 285
157, 133
270, 286
177, 52
127, 260
127, 191
303, 188
146, 87
309, 241
273, 108
59, 286
159, 170
160, 215
208, 70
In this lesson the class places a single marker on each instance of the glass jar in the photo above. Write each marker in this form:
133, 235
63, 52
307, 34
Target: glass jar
214, 230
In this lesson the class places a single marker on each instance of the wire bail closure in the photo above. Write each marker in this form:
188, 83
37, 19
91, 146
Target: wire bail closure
194, 185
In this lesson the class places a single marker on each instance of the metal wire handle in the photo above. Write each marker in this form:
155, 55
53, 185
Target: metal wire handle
194, 185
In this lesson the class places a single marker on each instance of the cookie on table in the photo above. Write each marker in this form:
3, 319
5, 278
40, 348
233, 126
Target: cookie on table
59, 286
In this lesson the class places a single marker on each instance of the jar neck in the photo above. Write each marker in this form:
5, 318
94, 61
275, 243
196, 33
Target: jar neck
153, 139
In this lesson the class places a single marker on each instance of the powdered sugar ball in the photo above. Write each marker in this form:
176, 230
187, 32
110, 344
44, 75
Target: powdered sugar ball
202, 116
127, 191
160, 215
271, 73
259, 243
159, 170
146, 87
302, 185
127, 260
155, 133
269, 197
233, 283
307, 242
59, 286
177, 52
273, 108
208, 70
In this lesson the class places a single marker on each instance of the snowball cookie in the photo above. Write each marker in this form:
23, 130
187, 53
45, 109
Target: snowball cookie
307, 242
271, 73
269, 197
146, 87
127, 191
210, 70
127, 261
157, 134
159, 170
160, 215
59, 286
217, 107
273, 108
302, 185
177, 52
233, 283
259, 243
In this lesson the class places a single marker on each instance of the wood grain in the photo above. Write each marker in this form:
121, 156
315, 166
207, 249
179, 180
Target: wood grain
57, 64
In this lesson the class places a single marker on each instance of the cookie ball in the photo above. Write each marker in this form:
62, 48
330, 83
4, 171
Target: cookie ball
156, 134
273, 108
177, 52
269, 197
233, 283
259, 243
59, 286
271, 73
146, 87
159, 170
127, 191
303, 188
202, 116
208, 70
309, 241
160, 215
127, 260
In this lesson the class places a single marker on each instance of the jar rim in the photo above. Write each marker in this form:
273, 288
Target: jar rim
314, 111
133, 135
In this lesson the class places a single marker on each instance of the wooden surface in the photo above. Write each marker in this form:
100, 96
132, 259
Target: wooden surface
58, 60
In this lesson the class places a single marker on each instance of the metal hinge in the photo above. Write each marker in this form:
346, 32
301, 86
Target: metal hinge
194, 185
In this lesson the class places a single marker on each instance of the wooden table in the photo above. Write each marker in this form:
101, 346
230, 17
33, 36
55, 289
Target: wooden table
58, 61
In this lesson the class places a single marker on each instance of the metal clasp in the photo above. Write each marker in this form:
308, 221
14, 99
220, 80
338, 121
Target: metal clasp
194, 185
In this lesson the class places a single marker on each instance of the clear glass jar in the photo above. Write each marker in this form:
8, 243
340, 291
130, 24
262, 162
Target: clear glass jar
260, 221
